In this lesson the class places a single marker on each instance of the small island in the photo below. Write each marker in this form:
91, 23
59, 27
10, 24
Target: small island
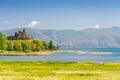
23, 44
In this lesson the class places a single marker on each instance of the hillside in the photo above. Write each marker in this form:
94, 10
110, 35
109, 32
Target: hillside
88, 38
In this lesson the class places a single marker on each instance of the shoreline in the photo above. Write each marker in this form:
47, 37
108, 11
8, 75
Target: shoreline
45, 53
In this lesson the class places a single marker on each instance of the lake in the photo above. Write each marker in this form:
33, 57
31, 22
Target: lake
73, 57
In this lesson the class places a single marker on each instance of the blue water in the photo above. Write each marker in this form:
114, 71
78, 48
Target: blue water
73, 57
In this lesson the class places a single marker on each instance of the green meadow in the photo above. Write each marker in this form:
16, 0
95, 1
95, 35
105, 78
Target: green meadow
28, 70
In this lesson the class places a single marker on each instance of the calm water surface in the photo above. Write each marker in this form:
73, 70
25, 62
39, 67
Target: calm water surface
73, 57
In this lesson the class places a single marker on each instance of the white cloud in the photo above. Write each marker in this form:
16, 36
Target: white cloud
33, 24
97, 26
5, 22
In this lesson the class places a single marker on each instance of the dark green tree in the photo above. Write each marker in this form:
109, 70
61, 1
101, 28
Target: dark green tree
51, 45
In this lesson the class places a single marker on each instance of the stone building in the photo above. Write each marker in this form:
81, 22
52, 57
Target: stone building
20, 35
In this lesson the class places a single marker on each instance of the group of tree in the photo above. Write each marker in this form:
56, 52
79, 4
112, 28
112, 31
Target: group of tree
25, 45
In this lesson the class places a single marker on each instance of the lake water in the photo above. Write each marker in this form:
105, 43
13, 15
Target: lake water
73, 57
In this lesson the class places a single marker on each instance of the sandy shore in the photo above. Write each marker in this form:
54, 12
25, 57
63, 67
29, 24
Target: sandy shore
81, 52
101, 53
48, 52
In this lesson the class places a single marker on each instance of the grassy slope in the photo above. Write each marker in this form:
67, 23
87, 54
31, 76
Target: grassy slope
26, 70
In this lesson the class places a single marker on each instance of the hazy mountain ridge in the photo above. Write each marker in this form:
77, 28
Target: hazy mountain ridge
88, 38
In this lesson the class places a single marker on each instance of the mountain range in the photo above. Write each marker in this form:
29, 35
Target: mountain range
87, 38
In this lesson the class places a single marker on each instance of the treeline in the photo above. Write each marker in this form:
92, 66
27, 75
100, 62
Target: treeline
25, 45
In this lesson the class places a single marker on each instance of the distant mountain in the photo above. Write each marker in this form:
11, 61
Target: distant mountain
88, 38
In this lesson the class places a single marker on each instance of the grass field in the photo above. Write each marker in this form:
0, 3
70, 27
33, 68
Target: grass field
26, 70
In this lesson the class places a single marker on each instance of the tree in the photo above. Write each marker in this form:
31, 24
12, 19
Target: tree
45, 45
17, 45
51, 45
26, 45
37, 45
2, 41
10, 45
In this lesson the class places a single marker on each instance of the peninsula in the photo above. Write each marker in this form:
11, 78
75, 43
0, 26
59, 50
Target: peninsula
23, 43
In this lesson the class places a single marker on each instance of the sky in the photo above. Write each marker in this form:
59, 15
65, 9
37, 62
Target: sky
59, 14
